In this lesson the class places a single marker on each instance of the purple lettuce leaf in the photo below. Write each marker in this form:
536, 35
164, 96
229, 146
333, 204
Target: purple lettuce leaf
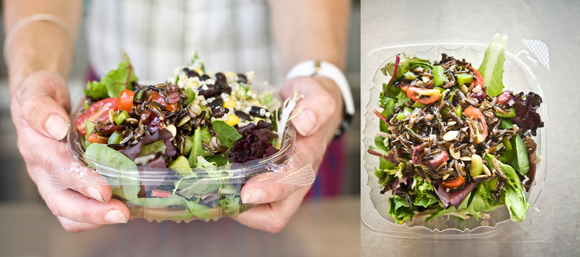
454, 197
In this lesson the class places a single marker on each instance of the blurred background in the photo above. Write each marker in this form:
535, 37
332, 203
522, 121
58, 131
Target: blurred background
23, 213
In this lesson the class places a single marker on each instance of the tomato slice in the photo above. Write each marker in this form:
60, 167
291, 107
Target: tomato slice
125, 100
405, 87
424, 96
156, 97
98, 112
453, 182
479, 79
94, 138
481, 127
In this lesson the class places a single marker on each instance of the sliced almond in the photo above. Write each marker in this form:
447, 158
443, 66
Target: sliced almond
183, 121
454, 154
451, 123
450, 135
465, 158
172, 129
486, 170
480, 176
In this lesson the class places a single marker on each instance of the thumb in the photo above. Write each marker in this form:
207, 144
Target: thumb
317, 107
43, 97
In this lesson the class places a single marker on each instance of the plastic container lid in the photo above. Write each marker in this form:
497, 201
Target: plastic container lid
522, 73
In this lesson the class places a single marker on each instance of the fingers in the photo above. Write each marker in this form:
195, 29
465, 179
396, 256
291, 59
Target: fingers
273, 217
317, 107
58, 163
73, 226
76, 207
42, 98
256, 193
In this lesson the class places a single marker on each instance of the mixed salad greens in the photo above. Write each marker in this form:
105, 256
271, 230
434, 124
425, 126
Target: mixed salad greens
174, 131
452, 141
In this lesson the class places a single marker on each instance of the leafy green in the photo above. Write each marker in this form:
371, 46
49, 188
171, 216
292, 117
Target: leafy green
513, 196
461, 212
96, 90
521, 162
491, 68
203, 163
126, 186
200, 188
196, 149
481, 201
399, 209
220, 159
227, 134
159, 202
114, 82
402, 99
423, 192
149, 151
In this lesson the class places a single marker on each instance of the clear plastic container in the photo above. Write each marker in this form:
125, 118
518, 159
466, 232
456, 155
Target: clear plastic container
527, 70
206, 194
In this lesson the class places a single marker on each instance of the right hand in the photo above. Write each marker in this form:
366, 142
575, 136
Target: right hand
38, 106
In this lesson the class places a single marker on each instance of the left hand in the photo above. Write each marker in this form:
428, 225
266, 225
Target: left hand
322, 112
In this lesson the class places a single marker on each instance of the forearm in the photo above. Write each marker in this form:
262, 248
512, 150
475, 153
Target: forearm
40, 45
310, 30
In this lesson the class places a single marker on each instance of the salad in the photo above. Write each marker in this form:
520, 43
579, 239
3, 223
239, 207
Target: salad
453, 140
173, 147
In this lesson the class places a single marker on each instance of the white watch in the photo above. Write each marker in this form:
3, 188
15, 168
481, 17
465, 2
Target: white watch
326, 69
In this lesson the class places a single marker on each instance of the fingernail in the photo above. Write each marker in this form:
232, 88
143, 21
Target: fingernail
304, 122
254, 195
115, 216
56, 126
94, 193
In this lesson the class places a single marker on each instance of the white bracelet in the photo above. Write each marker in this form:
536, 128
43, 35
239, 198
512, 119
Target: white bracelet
32, 18
326, 69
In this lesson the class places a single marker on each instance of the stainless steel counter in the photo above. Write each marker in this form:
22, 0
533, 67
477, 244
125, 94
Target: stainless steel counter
553, 22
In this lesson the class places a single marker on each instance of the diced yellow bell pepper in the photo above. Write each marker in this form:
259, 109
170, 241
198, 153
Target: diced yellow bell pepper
199, 71
233, 120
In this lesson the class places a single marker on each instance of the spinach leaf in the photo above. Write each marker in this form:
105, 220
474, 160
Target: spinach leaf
220, 159
126, 186
227, 134
513, 196
491, 68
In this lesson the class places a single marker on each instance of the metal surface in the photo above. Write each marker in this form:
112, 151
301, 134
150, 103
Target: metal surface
554, 23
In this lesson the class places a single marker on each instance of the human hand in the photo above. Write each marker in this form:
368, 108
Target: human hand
321, 114
38, 107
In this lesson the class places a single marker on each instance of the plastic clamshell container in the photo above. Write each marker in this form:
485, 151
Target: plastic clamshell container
213, 192
523, 73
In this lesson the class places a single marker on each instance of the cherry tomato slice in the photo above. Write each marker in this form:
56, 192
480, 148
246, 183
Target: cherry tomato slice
125, 100
453, 183
156, 97
405, 87
94, 138
424, 96
481, 127
98, 112
160, 193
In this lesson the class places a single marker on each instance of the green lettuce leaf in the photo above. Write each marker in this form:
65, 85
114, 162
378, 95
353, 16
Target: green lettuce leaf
481, 201
423, 192
196, 149
461, 212
491, 68
399, 209
114, 82
513, 196
521, 161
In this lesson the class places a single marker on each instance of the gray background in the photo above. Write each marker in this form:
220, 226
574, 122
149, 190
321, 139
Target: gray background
553, 22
